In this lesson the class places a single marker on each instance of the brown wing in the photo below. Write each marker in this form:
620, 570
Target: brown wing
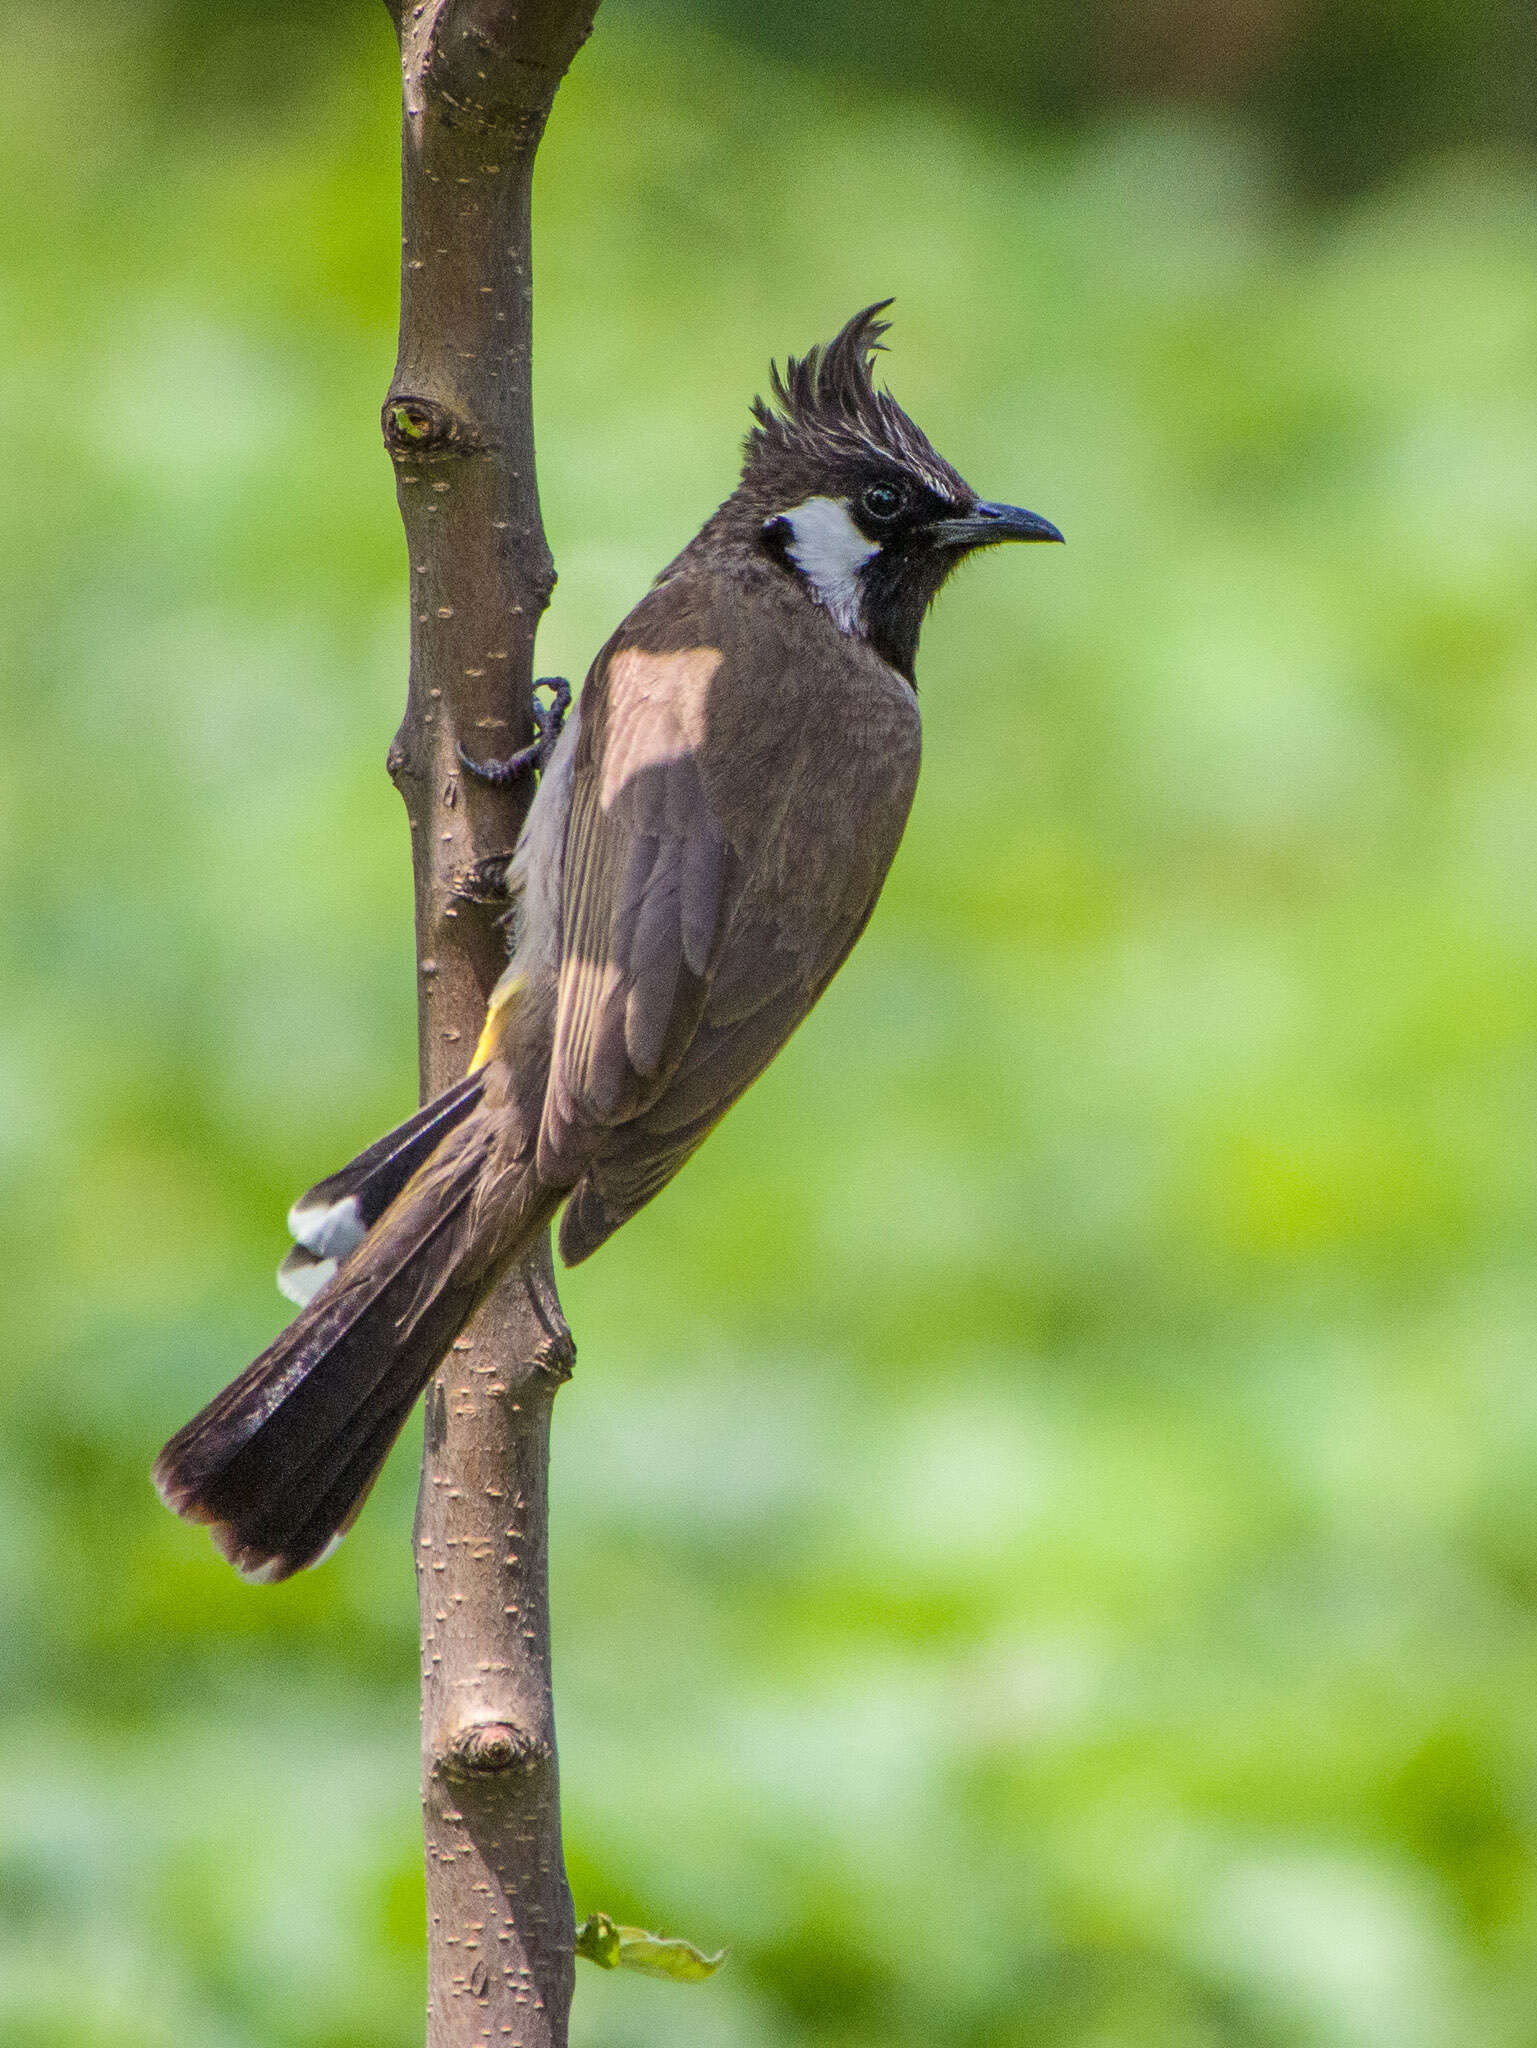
724, 1055
690, 951
642, 884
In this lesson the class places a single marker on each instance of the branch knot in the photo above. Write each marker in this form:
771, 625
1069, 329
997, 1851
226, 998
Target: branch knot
417, 429
491, 1749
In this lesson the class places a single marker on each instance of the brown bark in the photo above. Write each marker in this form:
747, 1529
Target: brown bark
479, 79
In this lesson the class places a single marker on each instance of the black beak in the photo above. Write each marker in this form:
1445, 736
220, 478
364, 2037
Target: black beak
986, 525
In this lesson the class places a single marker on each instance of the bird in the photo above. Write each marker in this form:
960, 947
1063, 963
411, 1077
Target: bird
709, 834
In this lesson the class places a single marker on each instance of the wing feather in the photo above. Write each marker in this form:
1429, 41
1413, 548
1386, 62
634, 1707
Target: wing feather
697, 927
642, 892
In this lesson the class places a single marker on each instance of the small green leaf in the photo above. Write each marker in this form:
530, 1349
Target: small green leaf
411, 421
632, 1948
660, 1956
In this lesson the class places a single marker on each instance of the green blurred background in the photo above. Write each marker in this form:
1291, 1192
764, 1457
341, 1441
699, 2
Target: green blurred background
1044, 1547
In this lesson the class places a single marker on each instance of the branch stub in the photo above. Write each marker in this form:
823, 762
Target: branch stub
488, 1749
416, 429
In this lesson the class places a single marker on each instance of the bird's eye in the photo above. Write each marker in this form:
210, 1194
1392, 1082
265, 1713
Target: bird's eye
882, 501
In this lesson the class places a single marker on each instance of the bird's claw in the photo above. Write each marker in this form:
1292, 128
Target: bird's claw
485, 881
549, 722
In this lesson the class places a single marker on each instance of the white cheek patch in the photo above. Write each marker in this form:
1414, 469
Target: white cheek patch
829, 550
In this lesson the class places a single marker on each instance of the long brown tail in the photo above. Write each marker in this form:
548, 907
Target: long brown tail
279, 1464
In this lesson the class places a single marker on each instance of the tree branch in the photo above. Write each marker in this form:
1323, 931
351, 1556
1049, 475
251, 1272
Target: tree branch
479, 78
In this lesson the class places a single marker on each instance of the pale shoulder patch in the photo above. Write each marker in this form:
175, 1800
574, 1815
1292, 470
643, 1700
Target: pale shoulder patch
829, 550
656, 711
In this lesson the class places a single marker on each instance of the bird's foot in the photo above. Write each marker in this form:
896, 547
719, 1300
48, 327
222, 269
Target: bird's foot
549, 722
484, 881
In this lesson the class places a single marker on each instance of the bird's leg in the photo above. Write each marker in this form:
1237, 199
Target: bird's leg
549, 721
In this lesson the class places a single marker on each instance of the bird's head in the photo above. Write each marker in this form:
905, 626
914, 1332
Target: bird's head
845, 492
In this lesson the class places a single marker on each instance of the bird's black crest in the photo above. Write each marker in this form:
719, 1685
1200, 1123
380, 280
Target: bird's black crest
826, 405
